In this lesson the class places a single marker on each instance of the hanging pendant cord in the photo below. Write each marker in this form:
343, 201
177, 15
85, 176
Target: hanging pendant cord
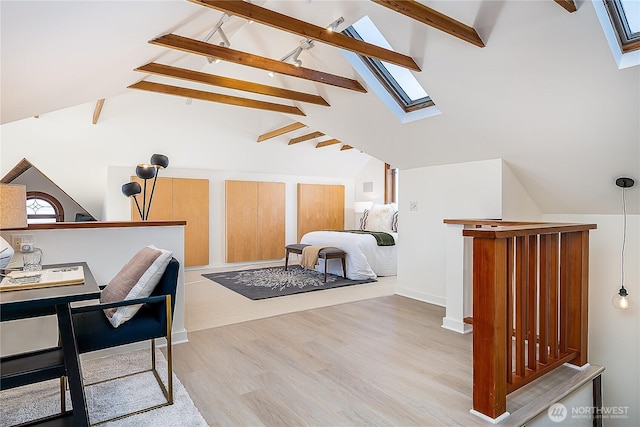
624, 234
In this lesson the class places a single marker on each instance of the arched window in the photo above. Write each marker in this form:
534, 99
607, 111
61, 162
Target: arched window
43, 208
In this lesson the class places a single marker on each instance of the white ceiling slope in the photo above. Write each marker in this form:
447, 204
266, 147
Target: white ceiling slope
544, 94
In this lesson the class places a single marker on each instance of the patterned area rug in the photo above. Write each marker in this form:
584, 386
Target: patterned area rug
276, 282
109, 399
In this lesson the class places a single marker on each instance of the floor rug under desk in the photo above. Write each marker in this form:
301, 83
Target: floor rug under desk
108, 399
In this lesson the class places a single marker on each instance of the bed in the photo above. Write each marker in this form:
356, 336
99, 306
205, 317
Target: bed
365, 258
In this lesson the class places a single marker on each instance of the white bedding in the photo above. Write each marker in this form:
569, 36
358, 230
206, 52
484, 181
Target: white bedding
365, 259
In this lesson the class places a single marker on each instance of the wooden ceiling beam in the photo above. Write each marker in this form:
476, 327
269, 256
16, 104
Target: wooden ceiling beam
21, 167
569, 5
292, 25
434, 19
198, 47
345, 147
327, 142
211, 79
97, 110
281, 131
215, 97
305, 137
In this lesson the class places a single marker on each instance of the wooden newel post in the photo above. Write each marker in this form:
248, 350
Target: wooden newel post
574, 276
490, 326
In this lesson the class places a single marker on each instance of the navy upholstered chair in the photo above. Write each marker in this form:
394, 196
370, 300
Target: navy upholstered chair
93, 330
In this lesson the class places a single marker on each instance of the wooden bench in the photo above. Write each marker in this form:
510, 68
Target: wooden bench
326, 254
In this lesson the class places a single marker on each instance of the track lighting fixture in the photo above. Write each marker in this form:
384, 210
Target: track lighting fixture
295, 56
334, 25
305, 44
621, 299
218, 29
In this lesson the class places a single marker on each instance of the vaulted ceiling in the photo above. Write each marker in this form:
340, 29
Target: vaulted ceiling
543, 93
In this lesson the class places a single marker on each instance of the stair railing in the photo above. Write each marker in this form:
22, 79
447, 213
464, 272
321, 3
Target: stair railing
530, 305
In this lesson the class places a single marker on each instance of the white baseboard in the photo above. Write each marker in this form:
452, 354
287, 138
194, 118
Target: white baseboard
421, 296
489, 419
576, 367
456, 325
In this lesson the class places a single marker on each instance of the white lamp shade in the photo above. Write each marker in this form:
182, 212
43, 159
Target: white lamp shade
13, 206
13, 214
360, 207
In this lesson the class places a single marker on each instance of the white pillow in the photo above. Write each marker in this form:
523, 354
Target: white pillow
137, 279
378, 218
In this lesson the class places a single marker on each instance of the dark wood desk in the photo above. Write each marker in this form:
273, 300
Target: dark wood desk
55, 362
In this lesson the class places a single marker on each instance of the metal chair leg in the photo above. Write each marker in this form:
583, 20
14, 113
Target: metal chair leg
63, 391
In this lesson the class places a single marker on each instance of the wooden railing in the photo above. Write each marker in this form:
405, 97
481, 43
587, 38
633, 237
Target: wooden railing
530, 303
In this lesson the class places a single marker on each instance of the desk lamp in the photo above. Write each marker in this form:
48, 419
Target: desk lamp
13, 214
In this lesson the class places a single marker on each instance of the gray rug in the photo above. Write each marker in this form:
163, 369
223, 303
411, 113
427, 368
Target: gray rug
108, 399
272, 282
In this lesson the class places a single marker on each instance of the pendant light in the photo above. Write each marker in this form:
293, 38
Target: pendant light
621, 299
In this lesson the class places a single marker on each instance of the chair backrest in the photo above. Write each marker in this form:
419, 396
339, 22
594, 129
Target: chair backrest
168, 282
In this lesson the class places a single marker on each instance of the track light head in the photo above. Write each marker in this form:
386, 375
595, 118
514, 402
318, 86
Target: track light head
218, 29
297, 62
334, 25
306, 44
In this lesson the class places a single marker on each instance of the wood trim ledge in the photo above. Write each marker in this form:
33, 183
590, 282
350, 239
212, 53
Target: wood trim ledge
100, 224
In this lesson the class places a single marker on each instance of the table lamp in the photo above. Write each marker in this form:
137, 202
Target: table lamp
13, 214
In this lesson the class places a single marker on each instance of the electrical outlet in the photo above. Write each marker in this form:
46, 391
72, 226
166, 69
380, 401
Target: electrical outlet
18, 241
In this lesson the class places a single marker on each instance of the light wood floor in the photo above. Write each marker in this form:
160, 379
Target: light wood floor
381, 361
209, 305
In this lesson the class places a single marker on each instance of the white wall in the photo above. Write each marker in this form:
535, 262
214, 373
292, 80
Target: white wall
517, 204
373, 172
464, 190
614, 336
76, 154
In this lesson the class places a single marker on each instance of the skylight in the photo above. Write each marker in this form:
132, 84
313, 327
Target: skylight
631, 9
620, 20
399, 82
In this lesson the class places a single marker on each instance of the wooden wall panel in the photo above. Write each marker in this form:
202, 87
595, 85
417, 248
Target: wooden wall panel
255, 220
191, 202
184, 199
333, 207
310, 208
271, 220
241, 213
320, 207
